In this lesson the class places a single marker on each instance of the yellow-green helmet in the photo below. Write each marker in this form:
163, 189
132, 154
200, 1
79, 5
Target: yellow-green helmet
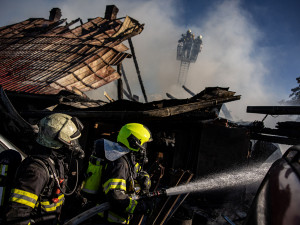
58, 129
134, 136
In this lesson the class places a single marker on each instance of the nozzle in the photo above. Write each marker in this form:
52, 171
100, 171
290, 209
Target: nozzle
161, 192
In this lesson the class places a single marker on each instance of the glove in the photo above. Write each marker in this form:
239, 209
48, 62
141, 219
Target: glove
144, 207
144, 181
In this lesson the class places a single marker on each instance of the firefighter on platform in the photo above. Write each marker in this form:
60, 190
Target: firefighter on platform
40, 183
122, 177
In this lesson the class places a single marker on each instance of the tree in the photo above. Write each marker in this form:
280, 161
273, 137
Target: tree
295, 96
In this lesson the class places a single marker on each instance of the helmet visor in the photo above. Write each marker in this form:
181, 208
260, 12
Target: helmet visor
79, 126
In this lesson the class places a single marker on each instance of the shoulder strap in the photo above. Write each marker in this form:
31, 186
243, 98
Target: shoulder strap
49, 168
46, 161
130, 170
130, 163
43, 164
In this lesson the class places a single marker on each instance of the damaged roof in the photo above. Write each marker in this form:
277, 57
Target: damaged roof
205, 104
43, 56
40, 57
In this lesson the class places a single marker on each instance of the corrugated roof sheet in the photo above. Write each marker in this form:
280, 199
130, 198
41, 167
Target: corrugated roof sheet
43, 57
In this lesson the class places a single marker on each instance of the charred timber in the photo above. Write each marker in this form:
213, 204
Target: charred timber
137, 69
274, 110
188, 90
170, 96
276, 139
120, 84
292, 125
123, 115
281, 132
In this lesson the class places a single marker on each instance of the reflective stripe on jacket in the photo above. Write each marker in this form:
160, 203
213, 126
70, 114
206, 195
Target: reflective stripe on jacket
117, 183
32, 193
113, 184
23, 197
50, 206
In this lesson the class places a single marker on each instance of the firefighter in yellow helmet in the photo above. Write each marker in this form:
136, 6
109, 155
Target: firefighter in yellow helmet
122, 176
39, 188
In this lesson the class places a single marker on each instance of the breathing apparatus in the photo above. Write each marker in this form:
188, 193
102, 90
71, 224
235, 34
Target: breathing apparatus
141, 155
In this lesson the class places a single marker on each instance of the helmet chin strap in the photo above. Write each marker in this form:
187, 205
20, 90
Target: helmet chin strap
140, 146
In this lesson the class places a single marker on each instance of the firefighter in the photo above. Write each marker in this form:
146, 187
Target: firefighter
40, 182
122, 175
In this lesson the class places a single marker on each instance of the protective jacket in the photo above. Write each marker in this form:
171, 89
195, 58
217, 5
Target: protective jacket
119, 182
35, 194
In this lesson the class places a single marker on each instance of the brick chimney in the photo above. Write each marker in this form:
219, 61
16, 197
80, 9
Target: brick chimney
55, 14
111, 12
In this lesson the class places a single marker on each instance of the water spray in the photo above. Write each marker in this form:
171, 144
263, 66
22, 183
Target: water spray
229, 179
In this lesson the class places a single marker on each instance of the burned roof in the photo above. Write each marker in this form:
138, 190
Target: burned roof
44, 56
49, 66
206, 104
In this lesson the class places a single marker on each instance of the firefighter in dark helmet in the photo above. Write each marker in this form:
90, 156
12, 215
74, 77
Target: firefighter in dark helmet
121, 174
39, 188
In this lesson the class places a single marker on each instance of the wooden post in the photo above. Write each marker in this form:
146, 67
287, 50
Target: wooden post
137, 69
126, 82
120, 83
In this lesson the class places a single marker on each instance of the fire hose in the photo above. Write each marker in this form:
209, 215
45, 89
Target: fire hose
105, 206
88, 214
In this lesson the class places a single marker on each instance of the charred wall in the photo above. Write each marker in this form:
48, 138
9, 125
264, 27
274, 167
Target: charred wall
206, 148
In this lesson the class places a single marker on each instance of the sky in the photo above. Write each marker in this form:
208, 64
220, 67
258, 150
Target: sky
250, 46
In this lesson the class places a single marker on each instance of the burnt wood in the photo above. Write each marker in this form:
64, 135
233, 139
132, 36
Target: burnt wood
274, 110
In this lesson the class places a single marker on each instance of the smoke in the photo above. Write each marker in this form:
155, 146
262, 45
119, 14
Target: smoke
230, 56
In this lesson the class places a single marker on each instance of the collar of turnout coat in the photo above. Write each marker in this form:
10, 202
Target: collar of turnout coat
113, 150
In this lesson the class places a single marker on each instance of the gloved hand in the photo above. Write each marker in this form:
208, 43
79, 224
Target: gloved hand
144, 207
144, 181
